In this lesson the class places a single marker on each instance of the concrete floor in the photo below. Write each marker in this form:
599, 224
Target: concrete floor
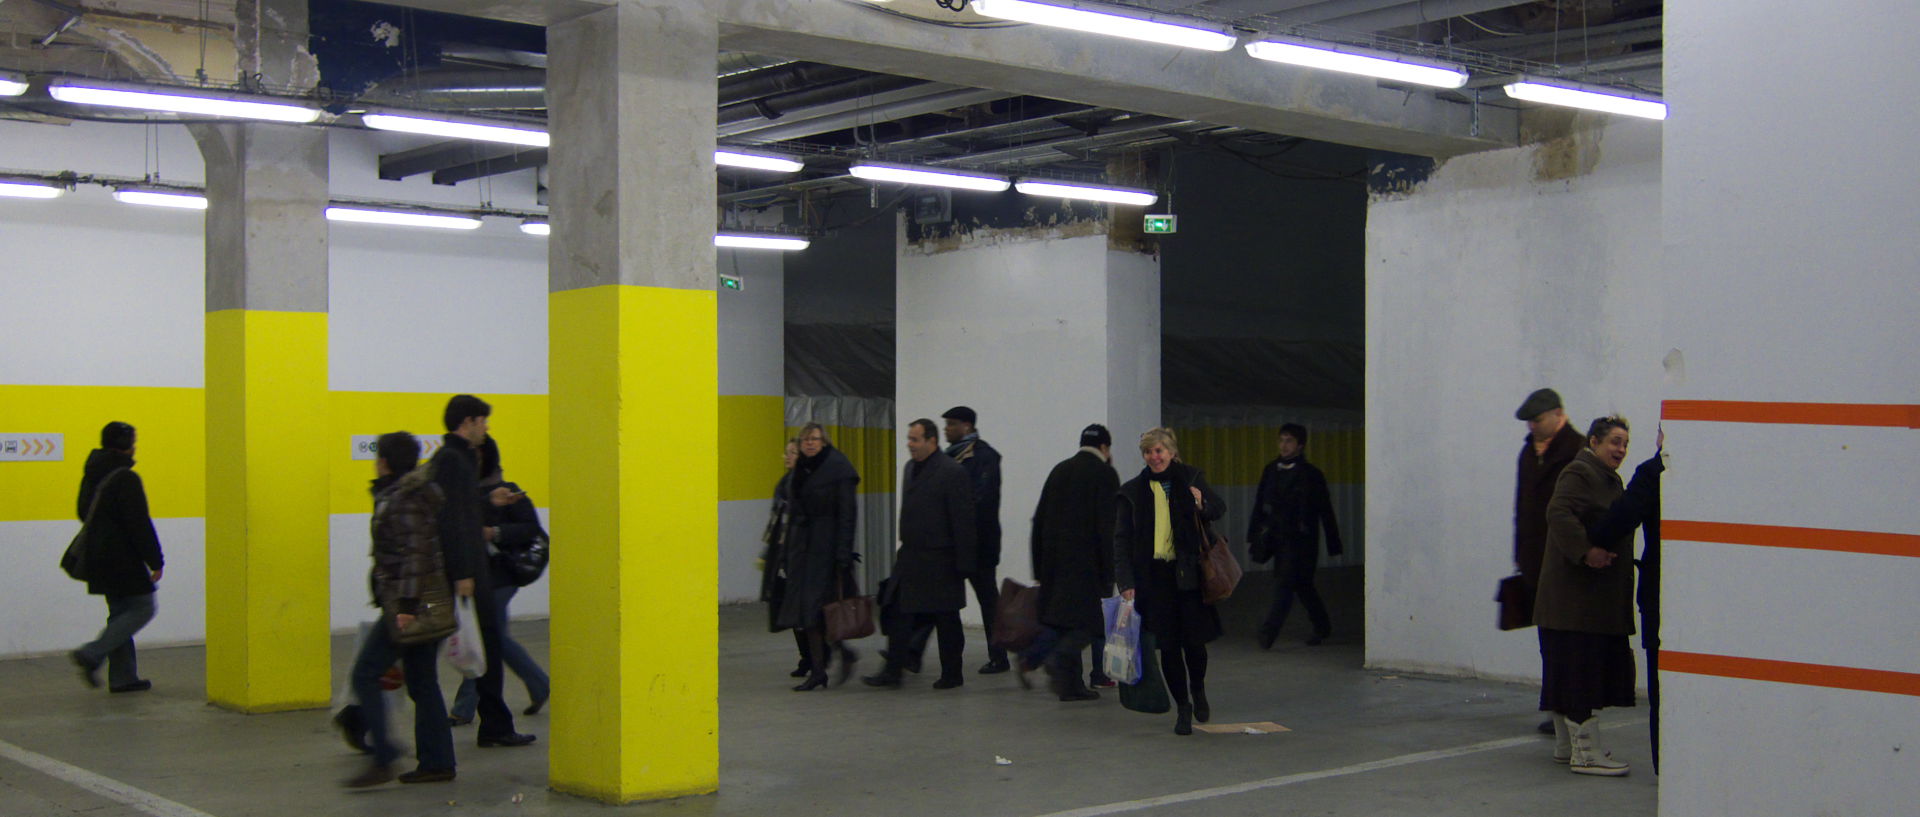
1363, 743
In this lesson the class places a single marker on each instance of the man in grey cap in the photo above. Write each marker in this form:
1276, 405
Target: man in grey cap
1550, 444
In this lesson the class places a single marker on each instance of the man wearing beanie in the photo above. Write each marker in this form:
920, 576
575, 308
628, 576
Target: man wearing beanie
1073, 555
123, 560
983, 470
1550, 444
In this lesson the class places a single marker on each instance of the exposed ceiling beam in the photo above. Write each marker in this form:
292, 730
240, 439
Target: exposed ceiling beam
491, 166
799, 127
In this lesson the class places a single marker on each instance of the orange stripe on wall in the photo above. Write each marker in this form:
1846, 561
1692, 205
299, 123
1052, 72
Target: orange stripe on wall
1777, 536
1791, 672
1885, 415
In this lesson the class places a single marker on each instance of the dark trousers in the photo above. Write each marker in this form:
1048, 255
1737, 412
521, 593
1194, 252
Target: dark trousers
953, 642
496, 720
1653, 702
432, 733
1186, 671
125, 616
988, 594
1293, 576
467, 698
1063, 661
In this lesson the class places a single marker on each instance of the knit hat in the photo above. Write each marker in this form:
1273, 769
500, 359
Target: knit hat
1537, 403
1095, 436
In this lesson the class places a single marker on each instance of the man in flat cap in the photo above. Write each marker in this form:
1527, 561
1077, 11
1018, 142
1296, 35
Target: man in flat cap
1550, 444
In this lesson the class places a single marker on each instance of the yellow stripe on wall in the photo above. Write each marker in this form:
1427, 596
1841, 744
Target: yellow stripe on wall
1234, 455
171, 457
751, 442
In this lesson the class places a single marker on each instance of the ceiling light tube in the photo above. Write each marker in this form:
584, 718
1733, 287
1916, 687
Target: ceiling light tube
401, 218
476, 130
29, 190
179, 199
174, 100
1064, 190
12, 85
904, 174
1108, 23
736, 157
1365, 62
539, 228
1590, 97
745, 241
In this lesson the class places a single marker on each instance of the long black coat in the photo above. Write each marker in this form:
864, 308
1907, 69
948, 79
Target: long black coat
1073, 542
938, 544
456, 467
1533, 489
1133, 555
1290, 508
982, 462
820, 541
122, 547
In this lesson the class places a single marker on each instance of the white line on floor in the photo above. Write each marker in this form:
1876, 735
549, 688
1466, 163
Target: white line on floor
1307, 777
104, 786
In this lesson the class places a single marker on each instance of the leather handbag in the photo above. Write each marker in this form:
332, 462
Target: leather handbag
1516, 604
1219, 572
1016, 616
74, 560
433, 616
849, 618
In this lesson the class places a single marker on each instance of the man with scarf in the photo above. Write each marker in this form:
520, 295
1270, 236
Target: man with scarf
1290, 507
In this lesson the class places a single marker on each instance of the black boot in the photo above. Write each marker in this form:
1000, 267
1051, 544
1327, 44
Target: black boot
813, 682
1183, 724
1201, 712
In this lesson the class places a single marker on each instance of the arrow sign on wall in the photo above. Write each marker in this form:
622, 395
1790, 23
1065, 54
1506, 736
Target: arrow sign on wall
32, 447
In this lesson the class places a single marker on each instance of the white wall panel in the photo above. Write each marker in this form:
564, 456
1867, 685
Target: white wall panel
45, 612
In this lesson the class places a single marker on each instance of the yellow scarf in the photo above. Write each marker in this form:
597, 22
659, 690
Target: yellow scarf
1162, 523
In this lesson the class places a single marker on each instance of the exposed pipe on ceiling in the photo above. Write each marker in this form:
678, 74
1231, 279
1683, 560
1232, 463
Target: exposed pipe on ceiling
790, 77
741, 117
943, 100
1415, 13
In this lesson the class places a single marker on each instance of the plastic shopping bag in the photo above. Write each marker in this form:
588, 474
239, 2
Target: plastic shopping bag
463, 649
1121, 658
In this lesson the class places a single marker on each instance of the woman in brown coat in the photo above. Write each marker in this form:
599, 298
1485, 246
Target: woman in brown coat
1585, 606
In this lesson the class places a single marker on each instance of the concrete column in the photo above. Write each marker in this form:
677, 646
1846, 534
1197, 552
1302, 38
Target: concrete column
1041, 334
266, 392
633, 388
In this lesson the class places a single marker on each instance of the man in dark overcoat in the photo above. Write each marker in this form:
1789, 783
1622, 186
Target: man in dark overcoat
938, 550
1073, 555
122, 559
1551, 443
982, 463
1290, 509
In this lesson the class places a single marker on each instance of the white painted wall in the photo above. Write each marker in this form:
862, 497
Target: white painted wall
1041, 337
1484, 283
752, 362
1790, 248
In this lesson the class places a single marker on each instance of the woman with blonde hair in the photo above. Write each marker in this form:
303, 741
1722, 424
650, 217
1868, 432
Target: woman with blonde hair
1157, 548
819, 553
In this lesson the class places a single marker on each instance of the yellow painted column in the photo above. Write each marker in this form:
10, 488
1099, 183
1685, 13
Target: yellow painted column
267, 532
267, 417
633, 390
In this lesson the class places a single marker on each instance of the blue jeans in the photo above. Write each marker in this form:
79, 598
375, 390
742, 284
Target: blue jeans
125, 616
467, 698
432, 736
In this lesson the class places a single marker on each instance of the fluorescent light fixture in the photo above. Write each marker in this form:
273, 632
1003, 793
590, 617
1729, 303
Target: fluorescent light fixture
735, 157
400, 218
1103, 22
181, 101
1590, 97
1347, 60
539, 228
29, 190
1064, 190
477, 130
903, 174
745, 241
162, 198
11, 85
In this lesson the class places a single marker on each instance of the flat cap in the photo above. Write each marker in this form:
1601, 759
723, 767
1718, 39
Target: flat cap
961, 413
1539, 402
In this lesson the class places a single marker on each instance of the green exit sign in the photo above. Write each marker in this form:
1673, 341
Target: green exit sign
732, 282
1162, 224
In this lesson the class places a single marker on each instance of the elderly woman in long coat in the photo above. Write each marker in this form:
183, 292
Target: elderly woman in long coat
819, 553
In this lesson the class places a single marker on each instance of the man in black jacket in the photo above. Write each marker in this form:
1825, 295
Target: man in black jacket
1551, 444
1073, 555
937, 551
123, 559
457, 469
982, 464
1290, 507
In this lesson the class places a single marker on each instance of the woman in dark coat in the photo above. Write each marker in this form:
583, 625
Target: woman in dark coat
1585, 606
819, 555
1157, 552
773, 570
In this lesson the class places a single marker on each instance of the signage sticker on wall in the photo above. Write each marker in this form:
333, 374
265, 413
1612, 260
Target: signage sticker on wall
33, 447
365, 446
